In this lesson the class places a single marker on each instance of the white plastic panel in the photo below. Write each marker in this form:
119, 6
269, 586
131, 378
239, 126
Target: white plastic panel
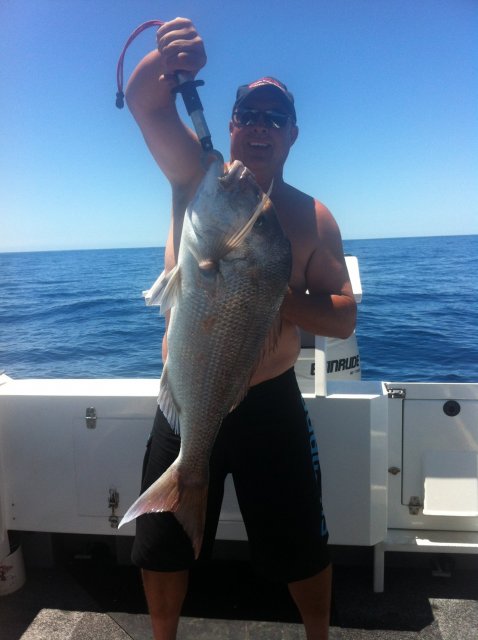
108, 457
57, 473
351, 428
427, 429
354, 275
423, 437
450, 481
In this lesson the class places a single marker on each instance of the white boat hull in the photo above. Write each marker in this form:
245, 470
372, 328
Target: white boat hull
61, 462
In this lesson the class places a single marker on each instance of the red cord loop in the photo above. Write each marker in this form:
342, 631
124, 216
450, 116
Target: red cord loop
119, 67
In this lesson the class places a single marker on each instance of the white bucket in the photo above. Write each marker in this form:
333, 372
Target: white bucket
12, 572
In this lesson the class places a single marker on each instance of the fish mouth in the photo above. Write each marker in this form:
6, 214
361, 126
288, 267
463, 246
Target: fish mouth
237, 172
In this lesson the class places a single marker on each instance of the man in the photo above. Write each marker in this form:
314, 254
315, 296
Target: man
280, 495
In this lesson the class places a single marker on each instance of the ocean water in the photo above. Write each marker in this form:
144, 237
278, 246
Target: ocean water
80, 314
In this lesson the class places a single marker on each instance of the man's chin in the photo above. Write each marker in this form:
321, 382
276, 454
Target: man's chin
257, 160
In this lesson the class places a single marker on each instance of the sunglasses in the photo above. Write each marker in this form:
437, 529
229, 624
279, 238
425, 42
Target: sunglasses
271, 119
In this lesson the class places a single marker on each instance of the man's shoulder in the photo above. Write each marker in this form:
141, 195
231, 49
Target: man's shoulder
299, 201
309, 222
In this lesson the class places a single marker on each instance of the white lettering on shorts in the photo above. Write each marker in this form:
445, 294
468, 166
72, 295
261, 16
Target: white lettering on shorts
314, 450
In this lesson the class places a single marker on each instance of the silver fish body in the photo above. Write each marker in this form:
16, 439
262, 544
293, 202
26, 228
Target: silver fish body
224, 294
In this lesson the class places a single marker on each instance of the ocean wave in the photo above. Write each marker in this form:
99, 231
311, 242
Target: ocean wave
80, 314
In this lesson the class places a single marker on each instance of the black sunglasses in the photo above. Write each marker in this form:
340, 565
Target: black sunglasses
270, 118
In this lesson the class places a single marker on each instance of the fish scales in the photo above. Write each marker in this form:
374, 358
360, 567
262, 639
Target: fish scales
225, 294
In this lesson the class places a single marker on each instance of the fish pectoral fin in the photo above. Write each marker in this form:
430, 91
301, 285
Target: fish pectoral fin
237, 238
227, 242
165, 290
209, 264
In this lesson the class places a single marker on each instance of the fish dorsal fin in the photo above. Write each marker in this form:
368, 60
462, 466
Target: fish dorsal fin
270, 344
165, 290
272, 338
167, 403
270, 341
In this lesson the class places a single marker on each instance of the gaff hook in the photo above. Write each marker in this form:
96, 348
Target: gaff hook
119, 66
186, 86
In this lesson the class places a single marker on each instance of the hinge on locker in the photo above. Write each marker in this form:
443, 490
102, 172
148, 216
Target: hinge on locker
396, 392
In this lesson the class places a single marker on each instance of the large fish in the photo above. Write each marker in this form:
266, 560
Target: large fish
224, 294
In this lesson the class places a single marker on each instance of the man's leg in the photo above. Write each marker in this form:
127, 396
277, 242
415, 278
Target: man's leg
313, 597
165, 593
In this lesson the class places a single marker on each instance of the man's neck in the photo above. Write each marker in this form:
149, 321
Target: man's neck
266, 180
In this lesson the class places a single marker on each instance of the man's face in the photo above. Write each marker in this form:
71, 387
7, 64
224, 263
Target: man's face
261, 147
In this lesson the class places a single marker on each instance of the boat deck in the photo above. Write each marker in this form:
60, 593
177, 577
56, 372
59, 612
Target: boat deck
90, 598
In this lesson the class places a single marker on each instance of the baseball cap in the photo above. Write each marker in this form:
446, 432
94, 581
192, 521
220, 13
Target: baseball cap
245, 90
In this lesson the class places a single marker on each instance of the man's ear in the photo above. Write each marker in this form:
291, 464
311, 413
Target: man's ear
231, 126
294, 132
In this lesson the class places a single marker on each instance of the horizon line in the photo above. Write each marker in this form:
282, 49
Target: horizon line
123, 248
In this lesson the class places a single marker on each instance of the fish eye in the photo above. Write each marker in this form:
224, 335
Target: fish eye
260, 222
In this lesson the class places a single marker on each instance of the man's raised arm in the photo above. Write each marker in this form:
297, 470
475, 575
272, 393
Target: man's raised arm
173, 145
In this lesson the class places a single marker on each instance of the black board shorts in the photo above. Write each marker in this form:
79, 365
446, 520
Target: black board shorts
269, 446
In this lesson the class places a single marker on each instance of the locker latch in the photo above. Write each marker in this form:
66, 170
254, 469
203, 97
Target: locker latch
414, 505
113, 503
90, 418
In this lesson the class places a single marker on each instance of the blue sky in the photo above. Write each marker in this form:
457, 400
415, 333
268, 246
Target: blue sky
386, 94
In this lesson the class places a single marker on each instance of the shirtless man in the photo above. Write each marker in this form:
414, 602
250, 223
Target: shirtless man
287, 535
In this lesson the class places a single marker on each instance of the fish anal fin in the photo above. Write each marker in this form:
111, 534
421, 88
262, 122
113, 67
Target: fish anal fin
167, 403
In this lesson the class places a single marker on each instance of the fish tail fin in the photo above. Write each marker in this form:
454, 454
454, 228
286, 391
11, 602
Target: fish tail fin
162, 495
169, 493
